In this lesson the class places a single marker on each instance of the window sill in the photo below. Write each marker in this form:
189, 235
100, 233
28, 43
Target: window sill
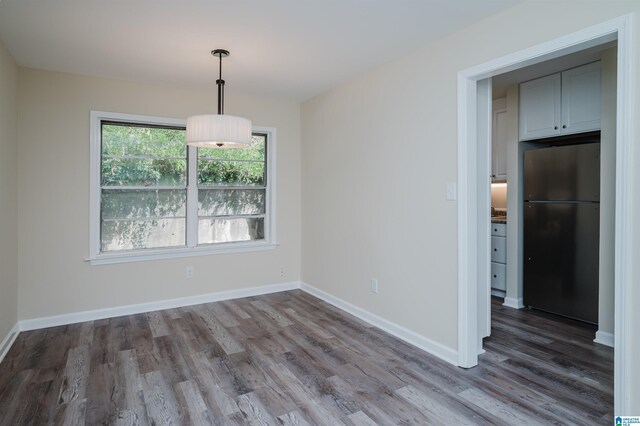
157, 254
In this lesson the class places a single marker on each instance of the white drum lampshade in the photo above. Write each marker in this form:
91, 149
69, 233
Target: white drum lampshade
218, 131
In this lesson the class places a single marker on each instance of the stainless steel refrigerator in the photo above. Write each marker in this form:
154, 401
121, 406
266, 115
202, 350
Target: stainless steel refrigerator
562, 230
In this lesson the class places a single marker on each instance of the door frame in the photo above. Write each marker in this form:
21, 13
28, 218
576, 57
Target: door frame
472, 243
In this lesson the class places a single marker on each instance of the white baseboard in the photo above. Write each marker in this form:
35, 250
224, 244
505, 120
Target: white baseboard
443, 352
53, 321
498, 293
604, 338
512, 302
427, 345
7, 342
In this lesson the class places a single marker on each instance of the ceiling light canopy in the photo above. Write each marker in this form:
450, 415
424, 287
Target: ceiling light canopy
219, 130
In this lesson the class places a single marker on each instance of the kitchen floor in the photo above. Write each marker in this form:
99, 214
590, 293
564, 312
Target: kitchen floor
556, 361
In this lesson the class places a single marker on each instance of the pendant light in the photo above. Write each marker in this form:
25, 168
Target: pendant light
219, 130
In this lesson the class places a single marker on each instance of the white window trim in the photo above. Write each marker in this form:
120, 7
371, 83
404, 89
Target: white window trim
98, 258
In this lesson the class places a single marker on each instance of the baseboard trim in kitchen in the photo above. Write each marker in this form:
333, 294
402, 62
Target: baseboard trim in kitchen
434, 348
604, 338
497, 293
512, 302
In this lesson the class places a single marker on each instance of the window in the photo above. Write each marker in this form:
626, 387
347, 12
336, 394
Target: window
232, 188
143, 187
153, 197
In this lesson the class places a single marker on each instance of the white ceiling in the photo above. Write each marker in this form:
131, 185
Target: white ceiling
289, 49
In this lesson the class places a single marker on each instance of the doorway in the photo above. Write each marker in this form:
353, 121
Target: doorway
472, 242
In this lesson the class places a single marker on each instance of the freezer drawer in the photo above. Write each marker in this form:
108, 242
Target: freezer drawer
499, 249
499, 276
561, 250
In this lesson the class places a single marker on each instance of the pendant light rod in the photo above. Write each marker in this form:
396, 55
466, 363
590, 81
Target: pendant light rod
220, 53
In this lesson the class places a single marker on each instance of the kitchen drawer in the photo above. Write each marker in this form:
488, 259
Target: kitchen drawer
499, 249
499, 276
499, 229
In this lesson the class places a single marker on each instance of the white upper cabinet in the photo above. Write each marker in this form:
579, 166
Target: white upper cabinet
561, 104
499, 140
540, 109
581, 99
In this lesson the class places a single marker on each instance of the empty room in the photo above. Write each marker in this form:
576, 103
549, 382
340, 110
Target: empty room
281, 212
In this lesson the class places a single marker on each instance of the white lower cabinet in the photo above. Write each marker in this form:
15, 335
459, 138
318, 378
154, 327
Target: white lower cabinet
499, 249
499, 276
498, 259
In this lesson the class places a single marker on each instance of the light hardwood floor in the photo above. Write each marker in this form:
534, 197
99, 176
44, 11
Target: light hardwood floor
289, 358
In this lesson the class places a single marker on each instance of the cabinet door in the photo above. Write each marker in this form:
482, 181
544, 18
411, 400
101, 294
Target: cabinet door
581, 99
498, 229
499, 276
499, 249
499, 144
540, 108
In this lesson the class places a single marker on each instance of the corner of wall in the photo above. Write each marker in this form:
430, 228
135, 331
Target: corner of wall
8, 195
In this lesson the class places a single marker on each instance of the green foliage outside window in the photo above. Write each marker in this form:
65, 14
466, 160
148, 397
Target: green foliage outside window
238, 167
150, 157
143, 156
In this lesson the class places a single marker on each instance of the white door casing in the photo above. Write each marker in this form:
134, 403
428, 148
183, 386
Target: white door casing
471, 244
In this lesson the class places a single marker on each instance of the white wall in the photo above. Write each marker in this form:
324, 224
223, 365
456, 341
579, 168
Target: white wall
8, 193
53, 202
377, 154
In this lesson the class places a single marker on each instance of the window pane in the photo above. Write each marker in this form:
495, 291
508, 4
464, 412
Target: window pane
255, 152
224, 202
230, 173
227, 230
141, 234
123, 140
143, 203
143, 172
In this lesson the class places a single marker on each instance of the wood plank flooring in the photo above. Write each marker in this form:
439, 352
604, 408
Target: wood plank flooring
291, 359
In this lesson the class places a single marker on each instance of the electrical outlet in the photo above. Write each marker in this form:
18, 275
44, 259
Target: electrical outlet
374, 285
282, 272
188, 274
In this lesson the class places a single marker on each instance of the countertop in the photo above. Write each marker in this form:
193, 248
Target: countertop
498, 219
